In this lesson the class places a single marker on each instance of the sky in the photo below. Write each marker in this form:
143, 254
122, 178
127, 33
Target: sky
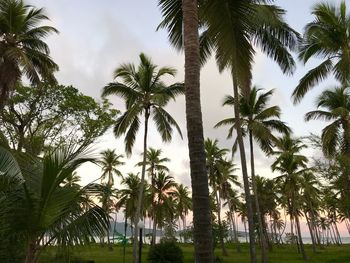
97, 36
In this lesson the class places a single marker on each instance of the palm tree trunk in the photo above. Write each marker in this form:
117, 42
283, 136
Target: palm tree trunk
235, 234
222, 243
245, 230
337, 231
264, 252
311, 233
299, 236
203, 243
314, 226
250, 213
154, 230
140, 197
184, 226
30, 255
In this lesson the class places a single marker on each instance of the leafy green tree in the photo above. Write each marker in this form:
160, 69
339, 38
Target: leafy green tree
22, 47
47, 116
40, 209
326, 37
145, 95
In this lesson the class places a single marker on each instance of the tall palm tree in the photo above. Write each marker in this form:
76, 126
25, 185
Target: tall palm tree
145, 94
334, 106
22, 49
108, 163
40, 209
230, 29
258, 122
181, 19
292, 166
326, 37
183, 203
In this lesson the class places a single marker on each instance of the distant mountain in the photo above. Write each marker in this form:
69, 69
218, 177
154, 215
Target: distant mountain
118, 228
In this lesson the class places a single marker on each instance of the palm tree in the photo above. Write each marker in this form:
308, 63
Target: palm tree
145, 95
164, 186
224, 180
183, 15
155, 163
266, 190
233, 202
335, 107
312, 199
230, 29
292, 166
183, 203
108, 163
258, 122
22, 49
326, 37
107, 200
73, 180
215, 159
127, 196
40, 209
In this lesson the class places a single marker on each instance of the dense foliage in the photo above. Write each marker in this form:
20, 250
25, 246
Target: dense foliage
166, 252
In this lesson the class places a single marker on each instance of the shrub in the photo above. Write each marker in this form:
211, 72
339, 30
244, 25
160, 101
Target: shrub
167, 252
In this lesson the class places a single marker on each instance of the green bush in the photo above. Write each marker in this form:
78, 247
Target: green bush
167, 252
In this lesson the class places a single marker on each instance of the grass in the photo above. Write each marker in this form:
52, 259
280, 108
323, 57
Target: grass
280, 254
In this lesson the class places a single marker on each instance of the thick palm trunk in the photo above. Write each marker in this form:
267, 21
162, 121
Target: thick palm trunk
250, 213
203, 243
264, 252
140, 197
222, 243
